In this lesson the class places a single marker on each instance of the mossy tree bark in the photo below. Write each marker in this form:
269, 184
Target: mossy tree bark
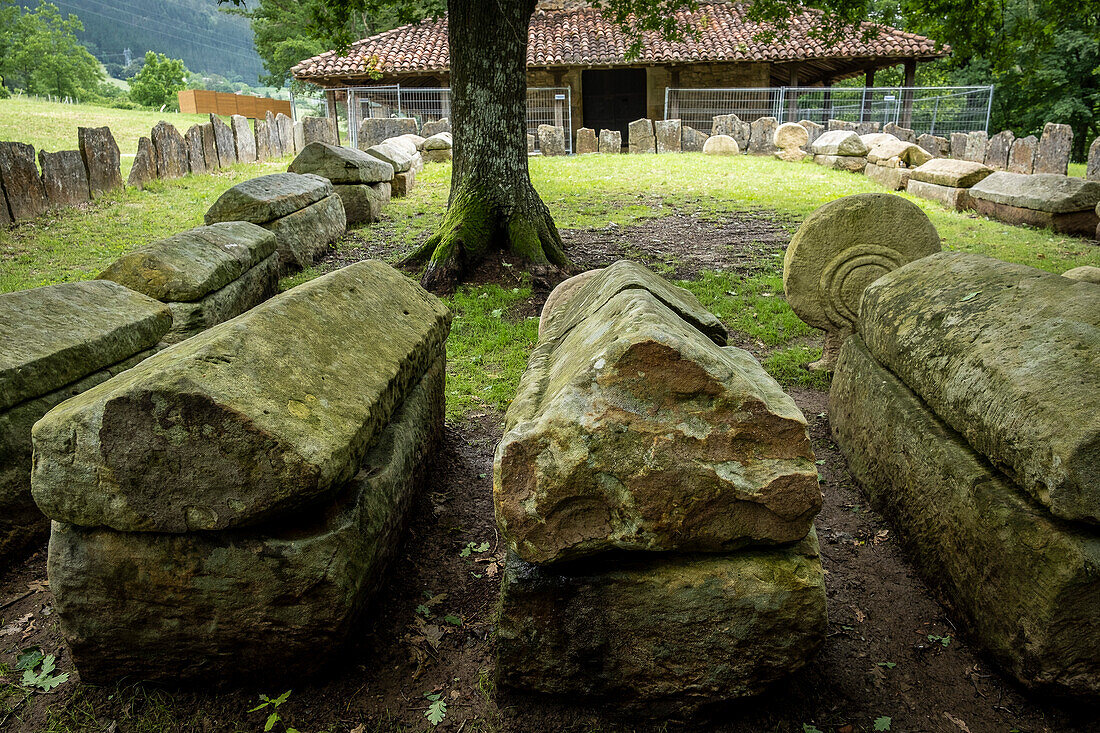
492, 203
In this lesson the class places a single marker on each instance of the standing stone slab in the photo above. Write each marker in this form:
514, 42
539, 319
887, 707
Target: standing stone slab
733, 126
1054, 150
223, 142
341, 165
290, 430
691, 140
663, 635
101, 159
864, 128
814, 131
22, 184
1015, 373
586, 141
901, 133
244, 141
998, 150
275, 141
975, 146
374, 130
5, 216
286, 133
192, 141
209, 147
842, 125
171, 152
64, 178
938, 147
299, 137
669, 136
551, 140
1026, 586
762, 136
842, 248
1092, 171
320, 130
1021, 158
640, 137
145, 164
959, 142
611, 141
263, 142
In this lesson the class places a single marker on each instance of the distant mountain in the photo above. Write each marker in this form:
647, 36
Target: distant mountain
208, 40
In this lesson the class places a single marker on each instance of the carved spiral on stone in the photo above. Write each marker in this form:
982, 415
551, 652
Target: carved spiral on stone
846, 276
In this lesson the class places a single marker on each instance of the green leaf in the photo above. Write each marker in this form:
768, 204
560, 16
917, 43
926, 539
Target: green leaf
29, 659
48, 665
888, 665
282, 698
807, 728
882, 723
271, 721
451, 619
51, 682
424, 611
261, 706
969, 296
483, 547
436, 712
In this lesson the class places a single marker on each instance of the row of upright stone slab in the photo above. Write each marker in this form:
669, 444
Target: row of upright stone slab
967, 407
196, 497
59, 341
66, 178
656, 491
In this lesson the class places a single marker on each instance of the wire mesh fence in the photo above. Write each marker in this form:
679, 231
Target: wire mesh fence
934, 110
545, 105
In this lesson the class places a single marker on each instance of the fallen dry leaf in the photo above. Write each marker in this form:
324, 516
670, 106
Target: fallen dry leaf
956, 721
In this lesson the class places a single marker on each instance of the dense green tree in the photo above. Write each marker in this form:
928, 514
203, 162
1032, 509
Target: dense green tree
40, 54
159, 80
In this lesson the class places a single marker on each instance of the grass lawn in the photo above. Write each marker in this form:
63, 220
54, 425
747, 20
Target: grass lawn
489, 345
51, 126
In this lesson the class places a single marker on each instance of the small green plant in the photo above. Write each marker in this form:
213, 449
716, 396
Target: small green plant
472, 547
944, 640
888, 665
437, 709
807, 728
274, 716
882, 723
38, 670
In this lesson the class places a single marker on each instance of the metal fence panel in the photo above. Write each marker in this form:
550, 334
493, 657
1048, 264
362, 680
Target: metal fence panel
935, 110
550, 106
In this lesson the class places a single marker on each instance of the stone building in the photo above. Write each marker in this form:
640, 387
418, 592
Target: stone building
574, 45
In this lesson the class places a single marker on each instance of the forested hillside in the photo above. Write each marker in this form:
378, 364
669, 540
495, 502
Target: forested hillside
208, 40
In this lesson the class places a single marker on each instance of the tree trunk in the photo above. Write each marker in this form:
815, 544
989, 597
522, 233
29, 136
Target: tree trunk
492, 203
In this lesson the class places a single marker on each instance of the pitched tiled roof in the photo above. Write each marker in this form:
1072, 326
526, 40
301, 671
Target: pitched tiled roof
582, 36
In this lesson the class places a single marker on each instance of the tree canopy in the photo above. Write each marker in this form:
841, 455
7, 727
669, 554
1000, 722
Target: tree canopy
40, 54
159, 80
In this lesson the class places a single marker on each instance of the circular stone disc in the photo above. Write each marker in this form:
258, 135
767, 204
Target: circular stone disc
846, 245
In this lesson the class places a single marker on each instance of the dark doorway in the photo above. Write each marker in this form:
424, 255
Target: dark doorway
613, 98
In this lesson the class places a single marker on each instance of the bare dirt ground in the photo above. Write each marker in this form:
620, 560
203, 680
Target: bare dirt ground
891, 649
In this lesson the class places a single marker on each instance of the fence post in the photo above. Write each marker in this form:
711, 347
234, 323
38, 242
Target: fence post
399, 112
935, 114
988, 108
780, 103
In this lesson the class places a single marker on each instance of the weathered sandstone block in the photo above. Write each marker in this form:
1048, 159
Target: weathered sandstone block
640, 137
1004, 354
323, 130
611, 142
721, 145
251, 419
957, 199
1024, 584
551, 140
908, 153
669, 134
144, 168
64, 178
839, 142
1042, 199
850, 163
1055, 146
732, 126
264, 199
892, 178
21, 181
224, 143
762, 136
400, 159
244, 140
101, 158
171, 151
665, 634
586, 141
950, 172
374, 130
341, 165
791, 135
692, 140
363, 202
192, 140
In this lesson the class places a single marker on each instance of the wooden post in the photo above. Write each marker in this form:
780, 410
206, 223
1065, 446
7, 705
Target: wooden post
792, 104
869, 81
907, 93
827, 100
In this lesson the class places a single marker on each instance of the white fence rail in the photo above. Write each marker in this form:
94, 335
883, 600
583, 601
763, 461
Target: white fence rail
545, 106
934, 110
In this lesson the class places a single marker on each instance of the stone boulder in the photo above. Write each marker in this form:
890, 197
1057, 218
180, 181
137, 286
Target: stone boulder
1085, 273
21, 182
635, 397
611, 142
1055, 147
60, 340
101, 159
1014, 374
998, 150
874, 138
303, 211
170, 150
224, 143
341, 165
205, 275
551, 140
691, 140
1043, 199
762, 136
437, 148
640, 136
397, 156
901, 133
791, 135
665, 636
669, 134
564, 291
586, 141
890, 152
320, 130
720, 145
374, 130
1013, 577
192, 141
434, 127
839, 143
1021, 159
975, 146
959, 141
144, 168
244, 140
109, 459
732, 126
842, 248
949, 172
222, 593
850, 163
408, 143
64, 178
